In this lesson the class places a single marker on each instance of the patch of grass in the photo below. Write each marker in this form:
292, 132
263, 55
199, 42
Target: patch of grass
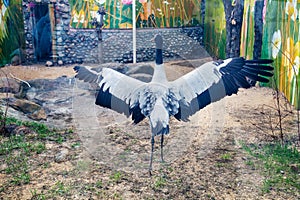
75, 145
225, 156
16, 151
60, 189
99, 184
160, 182
250, 163
116, 177
280, 164
117, 196
36, 195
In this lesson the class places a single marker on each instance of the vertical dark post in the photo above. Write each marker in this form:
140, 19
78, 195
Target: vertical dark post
202, 10
258, 28
98, 23
100, 12
234, 11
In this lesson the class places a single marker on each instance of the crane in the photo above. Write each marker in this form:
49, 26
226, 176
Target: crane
159, 99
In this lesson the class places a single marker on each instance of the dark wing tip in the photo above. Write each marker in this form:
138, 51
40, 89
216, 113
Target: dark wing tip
259, 61
76, 68
258, 69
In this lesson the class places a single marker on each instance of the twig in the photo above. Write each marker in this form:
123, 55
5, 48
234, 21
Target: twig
297, 88
19, 79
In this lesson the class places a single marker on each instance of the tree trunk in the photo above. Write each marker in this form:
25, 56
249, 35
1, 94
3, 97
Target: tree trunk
234, 11
258, 28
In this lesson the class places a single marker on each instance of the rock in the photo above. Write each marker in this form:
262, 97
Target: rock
16, 60
13, 129
61, 113
60, 62
38, 115
31, 109
61, 156
49, 63
60, 40
9, 85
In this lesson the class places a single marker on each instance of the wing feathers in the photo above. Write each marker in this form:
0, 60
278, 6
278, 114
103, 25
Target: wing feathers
117, 91
258, 67
87, 74
259, 61
213, 81
261, 72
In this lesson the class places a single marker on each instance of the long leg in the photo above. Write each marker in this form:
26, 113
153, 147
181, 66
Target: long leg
161, 148
151, 156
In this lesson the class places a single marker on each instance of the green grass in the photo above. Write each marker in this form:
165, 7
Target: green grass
160, 182
225, 156
116, 177
60, 189
280, 165
17, 150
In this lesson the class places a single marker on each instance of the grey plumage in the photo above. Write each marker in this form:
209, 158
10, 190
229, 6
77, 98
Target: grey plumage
160, 99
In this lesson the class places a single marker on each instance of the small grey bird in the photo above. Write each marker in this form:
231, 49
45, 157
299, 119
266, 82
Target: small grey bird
181, 98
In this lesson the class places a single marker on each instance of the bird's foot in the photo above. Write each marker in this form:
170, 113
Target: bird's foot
150, 172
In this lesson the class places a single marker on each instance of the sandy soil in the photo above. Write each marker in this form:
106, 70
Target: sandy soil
37, 71
116, 153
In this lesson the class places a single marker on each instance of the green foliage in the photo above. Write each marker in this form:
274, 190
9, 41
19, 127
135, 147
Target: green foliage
36, 195
116, 177
60, 189
280, 164
214, 28
225, 156
12, 37
160, 182
280, 17
119, 15
99, 184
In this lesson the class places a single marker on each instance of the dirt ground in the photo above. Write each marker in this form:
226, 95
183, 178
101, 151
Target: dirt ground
204, 157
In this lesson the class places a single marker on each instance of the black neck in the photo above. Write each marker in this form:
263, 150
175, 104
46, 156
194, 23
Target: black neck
159, 57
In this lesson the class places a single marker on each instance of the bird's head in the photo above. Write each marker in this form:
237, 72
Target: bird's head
158, 41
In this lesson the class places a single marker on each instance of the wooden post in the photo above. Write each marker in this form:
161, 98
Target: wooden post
53, 35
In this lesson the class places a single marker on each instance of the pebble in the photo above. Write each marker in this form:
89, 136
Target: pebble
61, 156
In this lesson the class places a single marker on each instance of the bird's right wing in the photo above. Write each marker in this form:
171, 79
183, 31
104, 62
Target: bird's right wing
215, 80
117, 91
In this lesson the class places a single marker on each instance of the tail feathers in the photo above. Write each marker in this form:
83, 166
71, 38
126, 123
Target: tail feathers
160, 129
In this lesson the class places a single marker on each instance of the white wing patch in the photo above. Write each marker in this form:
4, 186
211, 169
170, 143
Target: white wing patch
119, 85
197, 81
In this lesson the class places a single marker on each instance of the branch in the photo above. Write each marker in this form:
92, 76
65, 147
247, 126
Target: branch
20, 80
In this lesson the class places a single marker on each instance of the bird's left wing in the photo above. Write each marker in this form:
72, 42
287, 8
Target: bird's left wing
117, 91
215, 80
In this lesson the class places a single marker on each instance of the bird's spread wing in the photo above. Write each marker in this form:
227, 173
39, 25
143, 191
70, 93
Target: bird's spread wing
117, 91
87, 74
214, 80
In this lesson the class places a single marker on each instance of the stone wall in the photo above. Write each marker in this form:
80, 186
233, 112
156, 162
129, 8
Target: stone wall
82, 45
